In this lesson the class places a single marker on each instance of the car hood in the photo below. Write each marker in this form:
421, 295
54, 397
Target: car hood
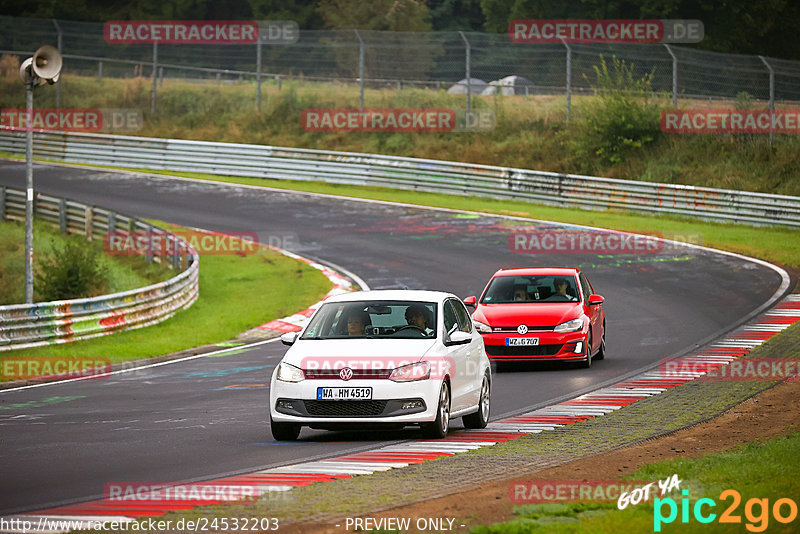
536, 314
357, 353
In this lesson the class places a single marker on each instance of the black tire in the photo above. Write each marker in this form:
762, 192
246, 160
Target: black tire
587, 362
601, 354
439, 427
480, 418
284, 431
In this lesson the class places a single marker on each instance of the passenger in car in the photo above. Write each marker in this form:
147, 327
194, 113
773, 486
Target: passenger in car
357, 322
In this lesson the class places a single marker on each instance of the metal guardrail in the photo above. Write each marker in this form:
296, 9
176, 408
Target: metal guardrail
43, 323
410, 173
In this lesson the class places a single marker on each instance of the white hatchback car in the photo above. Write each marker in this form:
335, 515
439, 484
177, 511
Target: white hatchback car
372, 358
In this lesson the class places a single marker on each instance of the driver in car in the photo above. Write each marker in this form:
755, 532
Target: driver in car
560, 285
416, 315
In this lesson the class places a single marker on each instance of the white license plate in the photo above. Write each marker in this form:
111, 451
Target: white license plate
344, 393
521, 341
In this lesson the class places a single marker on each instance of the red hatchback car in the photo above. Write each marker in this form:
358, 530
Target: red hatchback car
541, 314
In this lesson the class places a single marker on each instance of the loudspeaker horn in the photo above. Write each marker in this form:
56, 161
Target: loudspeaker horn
47, 63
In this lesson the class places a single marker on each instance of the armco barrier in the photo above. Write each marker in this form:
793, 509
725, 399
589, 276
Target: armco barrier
410, 173
43, 323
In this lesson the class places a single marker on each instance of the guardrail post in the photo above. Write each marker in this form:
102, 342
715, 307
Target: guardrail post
88, 223
111, 223
360, 69
674, 76
569, 80
62, 215
467, 70
2, 203
176, 257
771, 99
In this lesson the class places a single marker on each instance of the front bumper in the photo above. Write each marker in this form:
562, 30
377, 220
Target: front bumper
392, 402
552, 347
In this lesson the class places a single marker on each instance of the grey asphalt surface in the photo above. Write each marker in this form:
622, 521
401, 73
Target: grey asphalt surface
207, 416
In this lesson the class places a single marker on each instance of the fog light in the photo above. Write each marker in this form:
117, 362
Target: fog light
285, 404
410, 405
578, 347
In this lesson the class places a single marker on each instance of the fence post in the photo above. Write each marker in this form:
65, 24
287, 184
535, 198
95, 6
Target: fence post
674, 76
360, 68
62, 215
771, 99
467, 71
58, 83
258, 71
148, 252
2, 203
569, 79
155, 78
88, 223
99, 71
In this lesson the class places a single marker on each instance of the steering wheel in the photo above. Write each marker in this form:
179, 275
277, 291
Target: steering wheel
421, 330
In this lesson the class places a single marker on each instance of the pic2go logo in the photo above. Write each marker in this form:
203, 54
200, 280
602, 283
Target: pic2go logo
756, 511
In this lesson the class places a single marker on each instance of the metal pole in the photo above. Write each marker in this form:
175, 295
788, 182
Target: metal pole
155, 79
99, 71
771, 99
569, 80
258, 72
29, 196
360, 68
468, 74
674, 76
58, 83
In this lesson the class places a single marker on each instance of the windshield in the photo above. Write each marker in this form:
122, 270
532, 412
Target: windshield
373, 319
522, 289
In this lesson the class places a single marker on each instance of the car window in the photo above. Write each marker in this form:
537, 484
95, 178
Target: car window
586, 287
450, 317
371, 319
464, 322
531, 289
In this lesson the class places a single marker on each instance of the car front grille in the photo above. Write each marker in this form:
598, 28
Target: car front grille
526, 350
345, 408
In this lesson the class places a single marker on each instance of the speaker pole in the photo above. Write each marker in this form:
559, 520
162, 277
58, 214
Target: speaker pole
29, 194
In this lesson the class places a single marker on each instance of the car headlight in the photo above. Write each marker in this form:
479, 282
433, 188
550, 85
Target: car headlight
411, 372
482, 328
289, 373
569, 326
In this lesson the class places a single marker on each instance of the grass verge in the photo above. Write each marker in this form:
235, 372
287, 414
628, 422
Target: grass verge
123, 272
759, 472
236, 293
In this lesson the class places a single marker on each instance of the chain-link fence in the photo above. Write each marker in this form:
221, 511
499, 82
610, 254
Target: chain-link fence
378, 59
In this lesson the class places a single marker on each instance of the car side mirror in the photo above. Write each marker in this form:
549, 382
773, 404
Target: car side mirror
596, 299
457, 338
470, 301
289, 338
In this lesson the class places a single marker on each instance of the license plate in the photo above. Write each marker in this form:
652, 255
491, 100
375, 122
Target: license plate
521, 341
344, 393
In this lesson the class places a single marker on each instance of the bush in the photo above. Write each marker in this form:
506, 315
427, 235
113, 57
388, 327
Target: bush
624, 118
73, 271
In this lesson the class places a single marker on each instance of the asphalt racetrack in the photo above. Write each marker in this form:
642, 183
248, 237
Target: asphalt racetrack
207, 416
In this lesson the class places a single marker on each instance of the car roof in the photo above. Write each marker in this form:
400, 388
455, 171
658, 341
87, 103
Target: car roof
392, 294
540, 271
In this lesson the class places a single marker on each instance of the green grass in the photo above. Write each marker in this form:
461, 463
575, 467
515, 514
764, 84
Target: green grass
236, 293
124, 272
531, 132
766, 470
